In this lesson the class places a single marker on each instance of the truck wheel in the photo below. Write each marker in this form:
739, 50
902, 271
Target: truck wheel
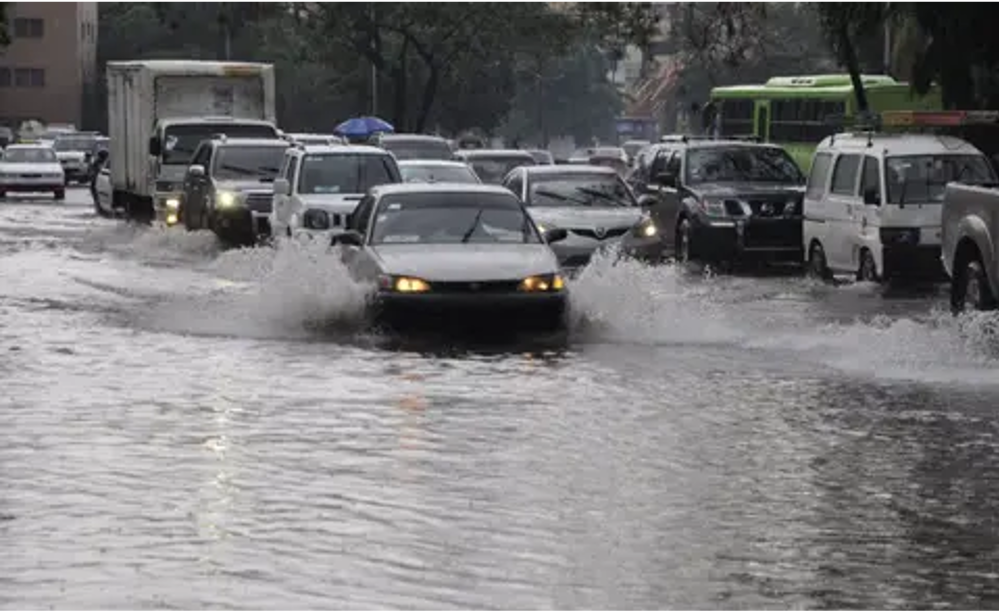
970, 289
868, 271
60, 194
817, 266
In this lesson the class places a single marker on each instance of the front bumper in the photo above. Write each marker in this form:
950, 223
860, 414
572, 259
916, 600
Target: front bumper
486, 312
76, 171
240, 223
753, 239
920, 261
44, 186
167, 207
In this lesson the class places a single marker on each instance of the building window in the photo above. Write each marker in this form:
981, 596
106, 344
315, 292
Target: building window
25, 27
5, 77
29, 77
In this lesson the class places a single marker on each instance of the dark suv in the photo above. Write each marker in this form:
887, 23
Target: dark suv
717, 201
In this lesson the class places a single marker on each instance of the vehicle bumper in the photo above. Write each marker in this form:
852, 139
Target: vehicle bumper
75, 172
167, 206
771, 240
241, 224
521, 311
651, 250
48, 186
921, 261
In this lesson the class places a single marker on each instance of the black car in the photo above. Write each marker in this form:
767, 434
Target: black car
721, 201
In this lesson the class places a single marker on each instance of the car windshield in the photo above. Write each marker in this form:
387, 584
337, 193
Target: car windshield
579, 189
452, 218
412, 173
494, 169
737, 164
180, 141
344, 173
75, 143
235, 162
543, 157
418, 149
923, 178
29, 156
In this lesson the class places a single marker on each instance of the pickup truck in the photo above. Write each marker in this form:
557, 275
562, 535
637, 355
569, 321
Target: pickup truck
969, 250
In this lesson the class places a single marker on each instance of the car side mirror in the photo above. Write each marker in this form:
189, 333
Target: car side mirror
154, 146
282, 187
872, 197
666, 179
555, 234
196, 171
347, 238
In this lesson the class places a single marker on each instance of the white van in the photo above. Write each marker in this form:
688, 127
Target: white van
873, 202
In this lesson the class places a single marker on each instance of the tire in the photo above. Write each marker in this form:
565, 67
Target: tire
60, 194
3, 195
868, 270
970, 289
817, 267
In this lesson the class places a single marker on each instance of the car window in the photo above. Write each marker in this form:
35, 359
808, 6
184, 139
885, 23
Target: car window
818, 180
494, 169
450, 218
344, 173
234, 162
673, 163
432, 173
844, 178
870, 178
27, 156
579, 189
923, 178
362, 214
516, 184
740, 163
418, 149
202, 155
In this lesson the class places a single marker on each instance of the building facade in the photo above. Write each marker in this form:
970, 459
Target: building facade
49, 70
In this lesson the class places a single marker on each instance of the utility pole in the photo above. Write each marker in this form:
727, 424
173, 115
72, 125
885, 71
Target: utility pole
886, 60
374, 69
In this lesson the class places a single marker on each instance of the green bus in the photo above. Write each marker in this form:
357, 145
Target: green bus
798, 112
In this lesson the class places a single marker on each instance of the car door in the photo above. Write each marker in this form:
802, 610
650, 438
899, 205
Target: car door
294, 207
843, 211
359, 261
817, 221
869, 214
282, 201
102, 185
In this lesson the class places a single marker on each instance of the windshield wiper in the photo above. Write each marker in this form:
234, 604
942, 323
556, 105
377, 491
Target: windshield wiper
559, 196
475, 224
238, 169
600, 194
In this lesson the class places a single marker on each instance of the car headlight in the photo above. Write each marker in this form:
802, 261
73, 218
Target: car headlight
225, 199
403, 284
542, 283
713, 208
541, 228
172, 203
646, 228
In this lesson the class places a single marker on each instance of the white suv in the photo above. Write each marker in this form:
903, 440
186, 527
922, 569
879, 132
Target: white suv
320, 185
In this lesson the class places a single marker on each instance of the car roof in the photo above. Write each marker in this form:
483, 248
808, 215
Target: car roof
898, 144
342, 150
569, 169
719, 144
438, 163
406, 188
252, 142
495, 153
28, 145
413, 137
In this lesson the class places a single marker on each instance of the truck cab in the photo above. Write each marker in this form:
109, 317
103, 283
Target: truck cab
173, 144
969, 251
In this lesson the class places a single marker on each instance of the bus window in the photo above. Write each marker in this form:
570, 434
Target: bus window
737, 117
803, 120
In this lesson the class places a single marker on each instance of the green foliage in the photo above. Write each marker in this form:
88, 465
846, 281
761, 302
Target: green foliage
451, 66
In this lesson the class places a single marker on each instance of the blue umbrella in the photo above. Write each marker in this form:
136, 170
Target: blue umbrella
360, 127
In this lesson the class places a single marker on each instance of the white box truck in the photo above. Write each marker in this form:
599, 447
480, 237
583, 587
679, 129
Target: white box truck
158, 113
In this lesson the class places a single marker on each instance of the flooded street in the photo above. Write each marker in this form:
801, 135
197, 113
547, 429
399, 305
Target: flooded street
186, 427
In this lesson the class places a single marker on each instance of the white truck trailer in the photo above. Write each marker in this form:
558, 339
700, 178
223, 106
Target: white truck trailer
158, 113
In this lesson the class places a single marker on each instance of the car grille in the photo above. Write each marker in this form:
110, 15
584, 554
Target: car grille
476, 287
773, 234
31, 176
774, 207
605, 234
260, 202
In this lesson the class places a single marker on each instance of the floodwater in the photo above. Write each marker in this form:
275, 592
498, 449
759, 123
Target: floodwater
186, 427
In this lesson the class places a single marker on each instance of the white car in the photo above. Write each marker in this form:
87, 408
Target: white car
74, 151
104, 191
437, 171
873, 203
315, 139
31, 168
320, 185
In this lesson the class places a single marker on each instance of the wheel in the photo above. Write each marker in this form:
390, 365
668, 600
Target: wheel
868, 271
970, 289
683, 242
3, 195
60, 194
817, 267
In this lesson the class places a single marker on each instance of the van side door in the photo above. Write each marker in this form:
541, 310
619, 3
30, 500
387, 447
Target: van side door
871, 194
842, 206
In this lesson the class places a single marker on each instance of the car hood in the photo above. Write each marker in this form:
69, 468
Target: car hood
747, 188
31, 168
247, 186
466, 262
576, 217
70, 155
343, 203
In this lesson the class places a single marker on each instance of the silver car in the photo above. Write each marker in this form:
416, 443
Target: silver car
447, 253
592, 203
